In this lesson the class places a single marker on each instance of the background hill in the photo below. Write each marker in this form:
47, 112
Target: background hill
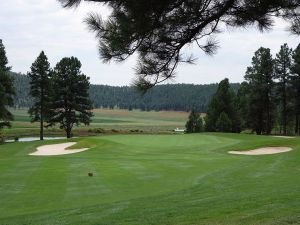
177, 97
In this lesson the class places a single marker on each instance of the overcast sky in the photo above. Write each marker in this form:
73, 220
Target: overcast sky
29, 26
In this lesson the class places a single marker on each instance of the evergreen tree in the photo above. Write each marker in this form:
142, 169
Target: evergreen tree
6, 89
158, 31
223, 101
224, 124
71, 104
282, 74
40, 90
295, 69
261, 90
242, 99
194, 123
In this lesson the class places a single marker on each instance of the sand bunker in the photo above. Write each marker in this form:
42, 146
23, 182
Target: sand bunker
262, 151
56, 149
284, 136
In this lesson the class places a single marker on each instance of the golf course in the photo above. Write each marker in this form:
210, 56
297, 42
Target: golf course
122, 112
151, 179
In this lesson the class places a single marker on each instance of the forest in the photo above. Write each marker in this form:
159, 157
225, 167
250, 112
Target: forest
177, 97
267, 101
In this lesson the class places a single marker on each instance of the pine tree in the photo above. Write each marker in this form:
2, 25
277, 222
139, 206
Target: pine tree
6, 89
71, 104
40, 90
282, 74
295, 69
159, 31
242, 101
260, 78
223, 101
224, 124
194, 123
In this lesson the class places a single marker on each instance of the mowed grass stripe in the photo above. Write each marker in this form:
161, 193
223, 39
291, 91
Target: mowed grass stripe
162, 179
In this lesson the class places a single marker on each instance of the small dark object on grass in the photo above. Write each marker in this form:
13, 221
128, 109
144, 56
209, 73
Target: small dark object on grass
90, 174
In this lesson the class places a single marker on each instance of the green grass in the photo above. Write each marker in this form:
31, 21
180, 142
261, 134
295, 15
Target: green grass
120, 120
152, 179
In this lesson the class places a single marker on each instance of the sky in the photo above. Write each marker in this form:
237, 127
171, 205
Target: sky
29, 26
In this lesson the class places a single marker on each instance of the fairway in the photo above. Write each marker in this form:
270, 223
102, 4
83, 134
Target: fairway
152, 179
107, 119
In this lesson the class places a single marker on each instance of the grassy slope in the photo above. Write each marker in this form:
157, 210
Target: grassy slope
152, 179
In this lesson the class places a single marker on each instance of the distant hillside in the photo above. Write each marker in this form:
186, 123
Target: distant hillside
178, 97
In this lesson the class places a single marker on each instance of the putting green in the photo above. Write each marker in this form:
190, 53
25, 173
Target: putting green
152, 179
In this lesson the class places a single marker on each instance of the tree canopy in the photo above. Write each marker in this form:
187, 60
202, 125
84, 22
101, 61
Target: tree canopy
6, 89
70, 103
194, 123
40, 90
160, 30
222, 113
295, 69
283, 62
260, 77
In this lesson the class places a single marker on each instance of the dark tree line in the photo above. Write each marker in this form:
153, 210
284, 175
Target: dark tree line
268, 100
177, 97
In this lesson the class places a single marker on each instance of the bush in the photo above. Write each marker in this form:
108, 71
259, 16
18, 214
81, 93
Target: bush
194, 123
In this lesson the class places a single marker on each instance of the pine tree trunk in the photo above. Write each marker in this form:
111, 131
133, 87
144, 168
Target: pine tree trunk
259, 126
68, 131
42, 116
268, 109
297, 123
68, 125
42, 129
284, 111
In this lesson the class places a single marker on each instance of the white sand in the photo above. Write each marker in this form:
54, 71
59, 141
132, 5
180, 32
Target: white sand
262, 151
284, 136
56, 149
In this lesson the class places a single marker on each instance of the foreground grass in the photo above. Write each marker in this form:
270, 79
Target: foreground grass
152, 179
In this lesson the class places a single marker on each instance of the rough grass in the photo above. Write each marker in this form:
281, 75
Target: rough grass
152, 179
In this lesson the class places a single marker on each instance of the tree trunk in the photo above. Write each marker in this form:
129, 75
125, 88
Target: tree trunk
68, 124
259, 125
68, 131
284, 116
42, 115
268, 119
297, 123
42, 129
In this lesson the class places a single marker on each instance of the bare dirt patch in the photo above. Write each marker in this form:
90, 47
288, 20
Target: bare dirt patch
262, 151
57, 149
